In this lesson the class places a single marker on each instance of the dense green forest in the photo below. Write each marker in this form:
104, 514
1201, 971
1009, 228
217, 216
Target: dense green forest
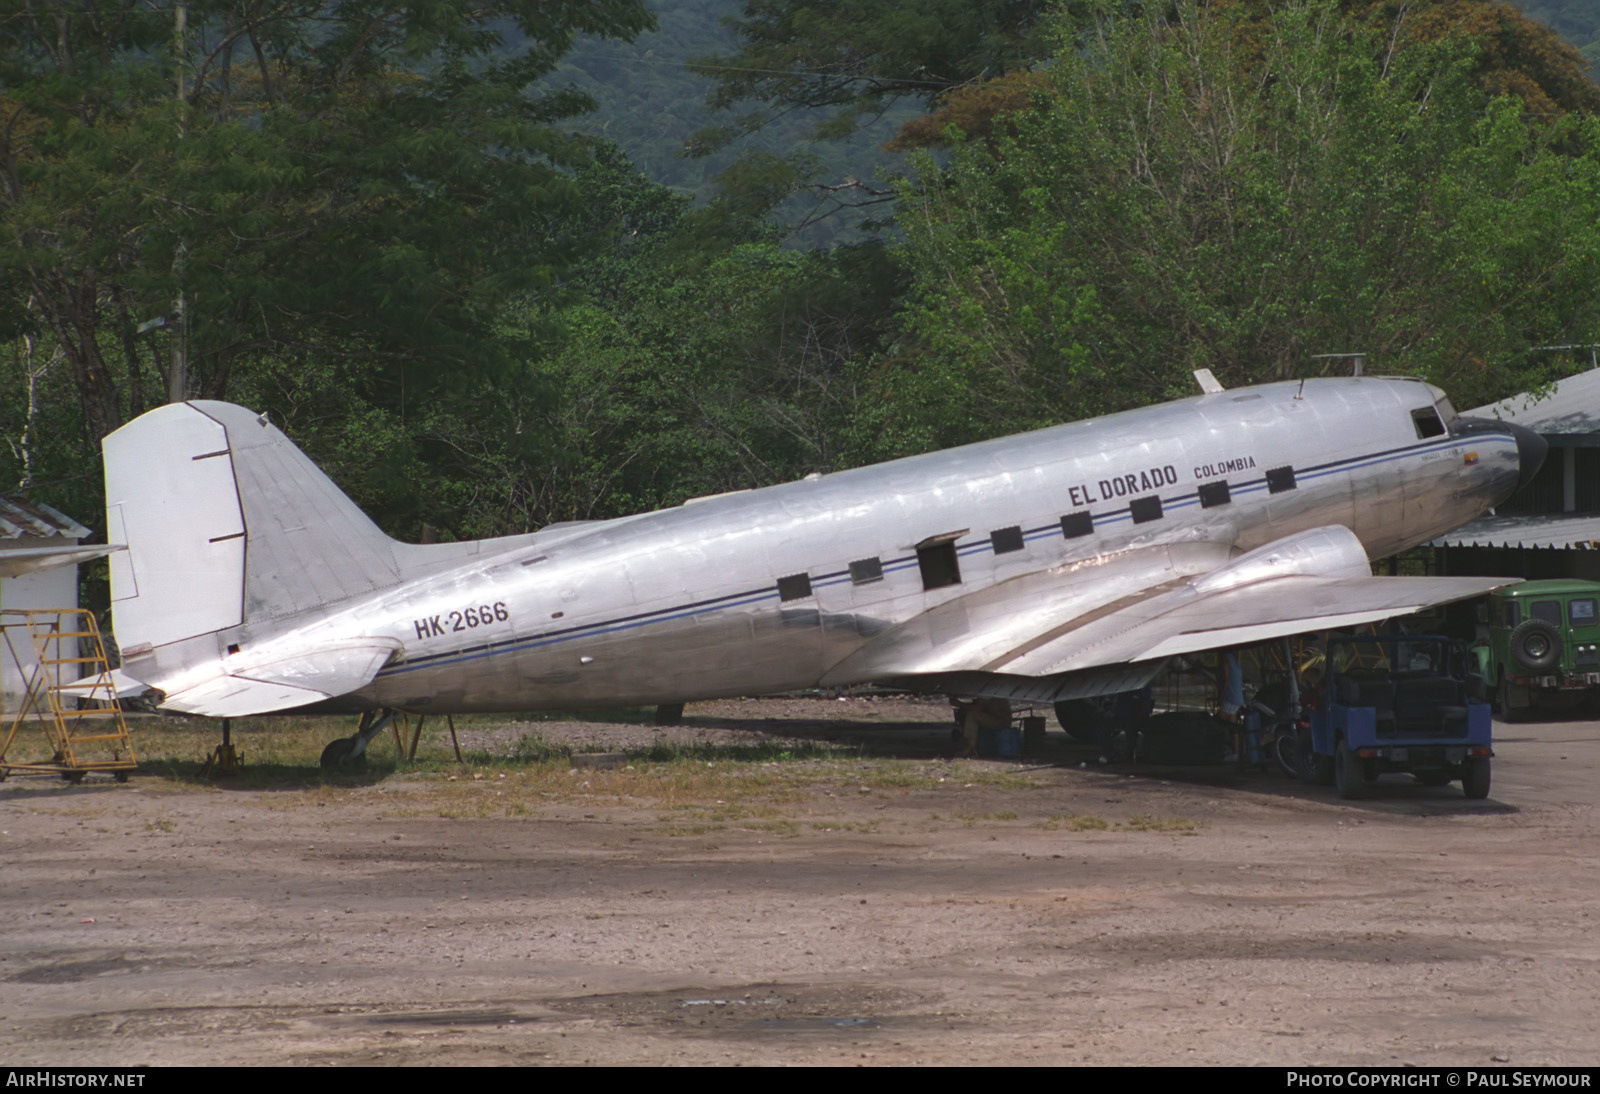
553, 260
1576, 21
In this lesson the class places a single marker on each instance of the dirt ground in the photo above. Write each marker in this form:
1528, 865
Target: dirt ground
900, 908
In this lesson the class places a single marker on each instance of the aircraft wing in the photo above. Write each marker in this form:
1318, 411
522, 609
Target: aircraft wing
1186, 621
1144, 606
271, 683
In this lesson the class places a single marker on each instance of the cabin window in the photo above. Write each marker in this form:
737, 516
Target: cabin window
1145, 510
1006, 540
1213, 494
1076, 525
794, 587
1427, 422
1280, 479
1547, 610
1581, 613
863, 571
936, 557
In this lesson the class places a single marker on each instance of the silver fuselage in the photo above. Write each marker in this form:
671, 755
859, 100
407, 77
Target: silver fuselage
690, 602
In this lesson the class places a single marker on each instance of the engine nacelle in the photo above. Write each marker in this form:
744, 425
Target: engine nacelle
1330, 551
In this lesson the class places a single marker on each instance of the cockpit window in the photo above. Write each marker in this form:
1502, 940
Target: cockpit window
1427, 423
1446, 411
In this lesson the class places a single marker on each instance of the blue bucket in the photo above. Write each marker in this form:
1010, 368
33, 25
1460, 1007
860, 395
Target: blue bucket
1002, 743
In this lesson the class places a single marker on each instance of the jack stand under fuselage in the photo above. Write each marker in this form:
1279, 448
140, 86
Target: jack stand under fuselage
223, 761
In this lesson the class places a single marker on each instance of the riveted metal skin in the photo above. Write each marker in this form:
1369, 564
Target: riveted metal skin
882, 573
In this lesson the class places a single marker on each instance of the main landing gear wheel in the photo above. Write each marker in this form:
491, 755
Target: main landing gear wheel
1082, 719
352, 751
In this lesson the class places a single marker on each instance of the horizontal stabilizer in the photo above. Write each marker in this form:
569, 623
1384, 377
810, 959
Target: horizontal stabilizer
235, 697
273, 683
31, 560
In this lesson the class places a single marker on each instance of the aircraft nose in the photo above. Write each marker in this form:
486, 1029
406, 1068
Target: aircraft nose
1531, 447
1531, 450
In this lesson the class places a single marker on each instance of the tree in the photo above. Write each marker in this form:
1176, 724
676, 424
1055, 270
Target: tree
683, 368
1213, 189
1514, 55
859, 57
1577, 21
849, 65
281, 182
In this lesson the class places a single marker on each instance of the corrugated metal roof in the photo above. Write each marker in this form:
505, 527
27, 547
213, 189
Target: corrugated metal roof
1572, 406
1564, 532
36, 520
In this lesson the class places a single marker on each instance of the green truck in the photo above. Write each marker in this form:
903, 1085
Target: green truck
1544, 644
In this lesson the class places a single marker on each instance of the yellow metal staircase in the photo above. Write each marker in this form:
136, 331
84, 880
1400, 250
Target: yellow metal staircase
68, 693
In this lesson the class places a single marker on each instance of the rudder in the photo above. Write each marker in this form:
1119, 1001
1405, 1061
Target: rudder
226, 522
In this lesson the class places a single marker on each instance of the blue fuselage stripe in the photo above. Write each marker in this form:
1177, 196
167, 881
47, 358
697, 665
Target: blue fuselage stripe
836, 577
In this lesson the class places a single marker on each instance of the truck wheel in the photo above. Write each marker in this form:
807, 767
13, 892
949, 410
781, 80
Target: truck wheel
1318, 768
1475, 778
1321, 769
1536, 645
1348, 778
1507, 712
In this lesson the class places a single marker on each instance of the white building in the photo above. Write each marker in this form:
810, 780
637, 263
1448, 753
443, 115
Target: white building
35, 545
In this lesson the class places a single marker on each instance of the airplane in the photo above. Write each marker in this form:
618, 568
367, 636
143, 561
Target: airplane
1068, 562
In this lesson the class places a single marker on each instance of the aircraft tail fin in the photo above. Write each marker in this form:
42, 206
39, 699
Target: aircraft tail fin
227, 522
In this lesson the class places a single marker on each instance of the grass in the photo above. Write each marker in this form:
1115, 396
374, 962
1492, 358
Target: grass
1139, 822
866, 827
695, 789
971, 819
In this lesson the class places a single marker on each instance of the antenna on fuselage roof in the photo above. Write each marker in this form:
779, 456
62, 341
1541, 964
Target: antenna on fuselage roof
1209, 384
1358, 361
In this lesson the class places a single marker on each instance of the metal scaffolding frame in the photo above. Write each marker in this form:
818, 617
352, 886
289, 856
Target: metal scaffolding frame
80, 718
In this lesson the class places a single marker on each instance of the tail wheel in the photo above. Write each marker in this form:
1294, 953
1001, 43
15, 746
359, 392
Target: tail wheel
337, 754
